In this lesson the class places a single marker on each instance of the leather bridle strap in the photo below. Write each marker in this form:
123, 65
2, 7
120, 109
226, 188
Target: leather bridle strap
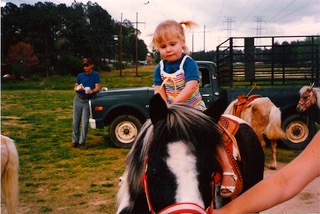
145, 184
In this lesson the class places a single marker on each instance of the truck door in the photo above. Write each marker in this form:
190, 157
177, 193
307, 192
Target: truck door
206, 86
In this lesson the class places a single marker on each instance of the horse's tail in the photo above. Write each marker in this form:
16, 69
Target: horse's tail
9, 177
273, 130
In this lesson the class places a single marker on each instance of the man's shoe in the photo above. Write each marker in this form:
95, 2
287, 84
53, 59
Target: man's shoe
75, 145
83, 146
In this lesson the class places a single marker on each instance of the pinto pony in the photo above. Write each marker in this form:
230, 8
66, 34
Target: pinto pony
9, 173
264, 118
171, 165
309, 96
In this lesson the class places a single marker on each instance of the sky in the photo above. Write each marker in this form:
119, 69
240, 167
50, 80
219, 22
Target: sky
217, 19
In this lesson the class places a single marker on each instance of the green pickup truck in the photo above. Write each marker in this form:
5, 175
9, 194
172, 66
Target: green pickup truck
125, 110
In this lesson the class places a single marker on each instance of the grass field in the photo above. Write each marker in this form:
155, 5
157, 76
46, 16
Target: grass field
55, 178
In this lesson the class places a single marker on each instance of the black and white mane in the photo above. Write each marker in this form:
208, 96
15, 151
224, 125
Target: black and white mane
176, 150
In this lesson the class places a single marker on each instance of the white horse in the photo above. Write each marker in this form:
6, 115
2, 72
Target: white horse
309, 96
9, 173
264, 118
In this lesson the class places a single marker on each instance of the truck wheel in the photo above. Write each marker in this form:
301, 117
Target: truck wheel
299, 131
123, 130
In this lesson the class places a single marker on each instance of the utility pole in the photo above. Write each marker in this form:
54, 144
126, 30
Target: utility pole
120, 51
229, 21
204, 38
259, 28
137, 41
259, 20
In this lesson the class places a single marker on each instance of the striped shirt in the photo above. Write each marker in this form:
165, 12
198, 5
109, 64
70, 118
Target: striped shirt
174, 79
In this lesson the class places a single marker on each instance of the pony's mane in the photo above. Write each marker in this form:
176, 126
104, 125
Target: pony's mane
181, 123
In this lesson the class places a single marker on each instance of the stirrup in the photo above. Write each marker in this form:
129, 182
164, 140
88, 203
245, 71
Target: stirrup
229, 188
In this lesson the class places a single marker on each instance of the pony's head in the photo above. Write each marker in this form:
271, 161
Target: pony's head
307, 98
174, 155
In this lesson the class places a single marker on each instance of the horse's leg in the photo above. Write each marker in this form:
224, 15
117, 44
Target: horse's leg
9, 176
273, 164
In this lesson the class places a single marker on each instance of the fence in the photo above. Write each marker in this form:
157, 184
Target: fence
268, 61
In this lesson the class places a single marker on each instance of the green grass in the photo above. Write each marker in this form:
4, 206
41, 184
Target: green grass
53, 177
108, 79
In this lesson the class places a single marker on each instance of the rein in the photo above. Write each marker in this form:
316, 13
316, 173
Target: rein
172, 77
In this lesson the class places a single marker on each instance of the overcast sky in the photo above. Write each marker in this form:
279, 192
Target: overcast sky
217, 19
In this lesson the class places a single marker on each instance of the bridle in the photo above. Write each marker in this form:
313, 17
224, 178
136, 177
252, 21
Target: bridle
189, 207
308, 102
184, 207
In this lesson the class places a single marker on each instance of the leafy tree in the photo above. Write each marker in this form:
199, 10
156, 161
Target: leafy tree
59, 32
10, 27
21, 57
101, 31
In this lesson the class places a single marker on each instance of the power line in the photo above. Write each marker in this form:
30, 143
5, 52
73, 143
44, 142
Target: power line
282, 10
220, 12
299, 8
250, 14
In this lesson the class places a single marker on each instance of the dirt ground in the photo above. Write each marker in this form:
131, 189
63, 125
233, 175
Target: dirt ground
307, 201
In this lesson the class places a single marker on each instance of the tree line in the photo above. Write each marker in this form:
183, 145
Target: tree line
49, 39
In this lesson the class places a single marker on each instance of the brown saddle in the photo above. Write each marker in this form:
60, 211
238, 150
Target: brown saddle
243, 102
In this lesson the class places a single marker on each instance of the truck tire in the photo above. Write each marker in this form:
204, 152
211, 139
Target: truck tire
299, 131
123, 130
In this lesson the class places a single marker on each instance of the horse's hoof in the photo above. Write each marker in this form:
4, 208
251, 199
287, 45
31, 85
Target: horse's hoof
273, 166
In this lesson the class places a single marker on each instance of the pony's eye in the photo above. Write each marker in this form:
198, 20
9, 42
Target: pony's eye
154, 171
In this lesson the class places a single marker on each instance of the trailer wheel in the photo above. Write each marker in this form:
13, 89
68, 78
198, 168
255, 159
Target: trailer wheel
123, 130
299, 131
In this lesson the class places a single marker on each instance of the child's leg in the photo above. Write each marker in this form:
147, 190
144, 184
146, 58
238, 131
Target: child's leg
228, 177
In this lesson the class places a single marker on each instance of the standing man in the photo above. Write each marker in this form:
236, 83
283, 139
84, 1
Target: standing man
87, 83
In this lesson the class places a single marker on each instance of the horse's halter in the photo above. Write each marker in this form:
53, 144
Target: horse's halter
306, 103
185, 207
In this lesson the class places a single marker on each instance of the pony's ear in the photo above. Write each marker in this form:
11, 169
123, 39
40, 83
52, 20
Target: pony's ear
311, 85
217, 108
158, 109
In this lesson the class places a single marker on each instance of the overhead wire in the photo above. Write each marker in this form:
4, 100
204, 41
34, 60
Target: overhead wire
220, 12
286, 7
299, 8
250, 14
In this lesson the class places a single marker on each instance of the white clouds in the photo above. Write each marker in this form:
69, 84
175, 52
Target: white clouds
221, 17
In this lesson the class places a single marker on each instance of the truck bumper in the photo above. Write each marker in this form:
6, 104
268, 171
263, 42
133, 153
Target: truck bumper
92, 123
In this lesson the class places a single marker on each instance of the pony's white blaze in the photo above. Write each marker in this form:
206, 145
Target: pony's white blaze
123, 194
182, 163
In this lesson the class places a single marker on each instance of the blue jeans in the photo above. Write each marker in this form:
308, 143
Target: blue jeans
81, 113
